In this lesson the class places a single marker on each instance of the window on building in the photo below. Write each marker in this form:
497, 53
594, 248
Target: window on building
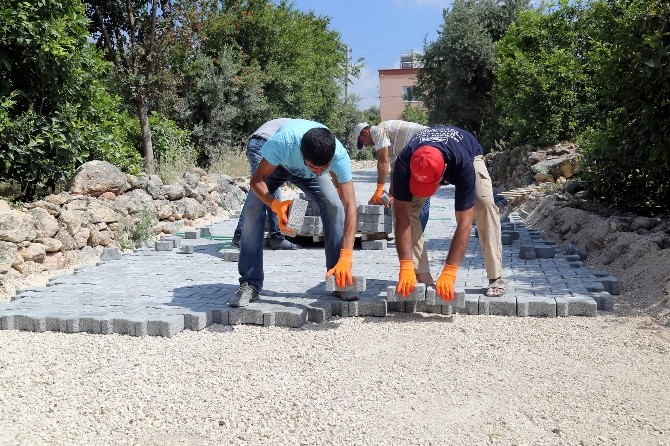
409, 94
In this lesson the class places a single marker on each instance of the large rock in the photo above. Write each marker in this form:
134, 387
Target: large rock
101, 213
4, 206
187, 208
16, 226
35, 252
44, 223
97, 177
9, 256
134, 202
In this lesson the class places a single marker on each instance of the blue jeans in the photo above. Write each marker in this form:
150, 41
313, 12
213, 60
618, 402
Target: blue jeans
321, 190
425, 213
254, 155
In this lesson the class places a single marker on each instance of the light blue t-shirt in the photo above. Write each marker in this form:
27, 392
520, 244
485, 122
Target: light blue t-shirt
283, 149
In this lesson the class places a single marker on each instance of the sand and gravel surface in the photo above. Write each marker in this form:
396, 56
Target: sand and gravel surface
405, 379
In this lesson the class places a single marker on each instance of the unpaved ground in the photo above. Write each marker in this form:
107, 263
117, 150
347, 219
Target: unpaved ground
406, 379
409, 379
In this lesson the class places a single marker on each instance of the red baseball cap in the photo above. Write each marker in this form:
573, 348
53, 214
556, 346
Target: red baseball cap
426, 166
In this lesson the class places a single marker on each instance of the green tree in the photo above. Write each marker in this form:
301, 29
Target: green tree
543, 89
415, 113
55, 112
372, 115
627, 150
302, 61
457, 74
131, 34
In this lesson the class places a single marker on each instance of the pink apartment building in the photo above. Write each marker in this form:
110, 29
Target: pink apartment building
395, 88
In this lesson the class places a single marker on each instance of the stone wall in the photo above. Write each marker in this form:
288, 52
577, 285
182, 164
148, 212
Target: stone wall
99, 206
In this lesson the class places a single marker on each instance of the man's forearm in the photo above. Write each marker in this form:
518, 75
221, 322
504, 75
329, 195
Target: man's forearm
403, 232
349, 226
382, 171
459, 243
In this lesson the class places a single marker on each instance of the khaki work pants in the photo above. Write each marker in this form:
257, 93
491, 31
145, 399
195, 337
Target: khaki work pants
487, 218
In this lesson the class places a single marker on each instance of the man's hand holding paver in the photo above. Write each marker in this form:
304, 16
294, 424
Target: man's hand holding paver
281, 208
342, 269
444, 287
406, 278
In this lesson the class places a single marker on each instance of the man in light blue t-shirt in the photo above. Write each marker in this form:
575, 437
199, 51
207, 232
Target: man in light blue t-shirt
301, 152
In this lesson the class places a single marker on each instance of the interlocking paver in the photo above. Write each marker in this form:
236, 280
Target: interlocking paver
160, 293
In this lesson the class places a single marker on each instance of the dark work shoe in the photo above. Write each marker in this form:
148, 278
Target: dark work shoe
282, 243
244, 294
236, 241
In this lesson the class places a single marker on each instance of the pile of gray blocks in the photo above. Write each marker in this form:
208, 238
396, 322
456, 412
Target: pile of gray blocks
374, 219
311, 224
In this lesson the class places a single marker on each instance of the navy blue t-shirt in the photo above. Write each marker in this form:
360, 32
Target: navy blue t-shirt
459, 149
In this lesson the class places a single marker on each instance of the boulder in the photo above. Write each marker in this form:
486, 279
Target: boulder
16, 226
44, 223
97, 177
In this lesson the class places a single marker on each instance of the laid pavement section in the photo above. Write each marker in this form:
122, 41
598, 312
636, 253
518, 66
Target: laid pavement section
160, 293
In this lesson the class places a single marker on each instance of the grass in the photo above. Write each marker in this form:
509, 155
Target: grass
231, 163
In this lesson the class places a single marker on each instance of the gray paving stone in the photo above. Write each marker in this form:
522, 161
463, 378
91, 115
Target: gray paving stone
535, 306
320, 312
296, 215
297, 319
192, 234
604, 300
231, 255
357, 286
395, 307
187, 249
163, 245
110, 254
419, 293
498, 306
611, 284
377, 308
245, 315
433, 299
527, 252
576, 306
545, 252
197, 320
374, 245
165, 326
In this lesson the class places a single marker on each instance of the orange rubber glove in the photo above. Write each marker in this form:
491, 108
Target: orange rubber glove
281, 209
377, 196
342, 269
406, 279
444, 287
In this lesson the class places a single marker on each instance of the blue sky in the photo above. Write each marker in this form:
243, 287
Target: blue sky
380, 31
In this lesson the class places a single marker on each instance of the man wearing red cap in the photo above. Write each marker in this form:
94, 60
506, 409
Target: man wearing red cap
434, 156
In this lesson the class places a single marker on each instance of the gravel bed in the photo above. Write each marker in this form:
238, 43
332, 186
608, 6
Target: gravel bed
406, 379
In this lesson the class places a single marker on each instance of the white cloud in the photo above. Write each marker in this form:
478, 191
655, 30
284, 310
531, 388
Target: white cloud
367, 87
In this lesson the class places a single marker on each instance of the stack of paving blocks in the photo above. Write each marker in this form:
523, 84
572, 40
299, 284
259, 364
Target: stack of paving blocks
311, 224
374, 219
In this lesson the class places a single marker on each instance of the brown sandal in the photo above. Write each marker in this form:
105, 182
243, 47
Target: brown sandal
496, 288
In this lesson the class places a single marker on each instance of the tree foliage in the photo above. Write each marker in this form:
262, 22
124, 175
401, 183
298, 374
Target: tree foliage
457, 74
55, 111
131, 34
543, 90
628, 147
